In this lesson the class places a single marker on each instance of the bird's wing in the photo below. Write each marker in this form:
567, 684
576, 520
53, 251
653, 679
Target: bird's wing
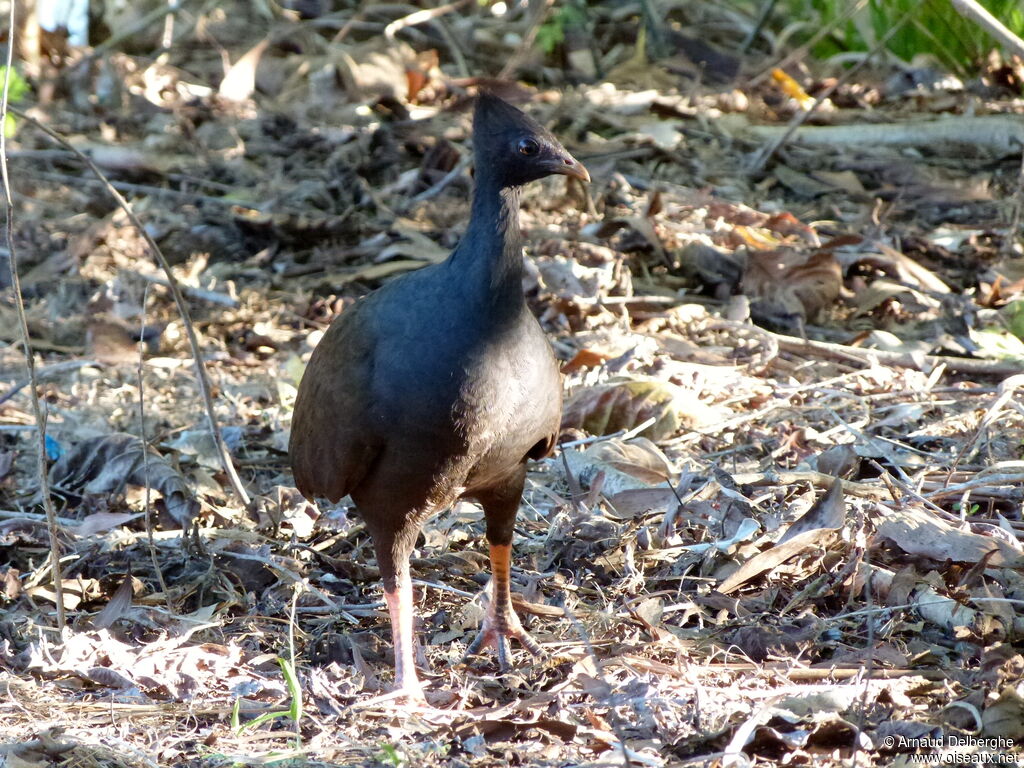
333, 443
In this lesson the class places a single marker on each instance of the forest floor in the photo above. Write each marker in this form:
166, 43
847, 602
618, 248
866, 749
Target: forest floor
784, 522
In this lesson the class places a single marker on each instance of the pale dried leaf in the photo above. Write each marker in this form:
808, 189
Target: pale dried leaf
919, 532
116, 607
240, 79
774, 556
622, 405
828, 512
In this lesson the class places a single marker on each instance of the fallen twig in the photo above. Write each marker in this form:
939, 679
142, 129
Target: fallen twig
50, 370
214, 297
419, 17
924, 363
149, 189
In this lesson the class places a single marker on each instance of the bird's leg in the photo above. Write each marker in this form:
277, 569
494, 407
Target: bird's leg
393, 550
402, 612
501, 622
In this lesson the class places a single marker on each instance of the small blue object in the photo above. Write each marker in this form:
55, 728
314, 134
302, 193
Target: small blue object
53, 449
232, 437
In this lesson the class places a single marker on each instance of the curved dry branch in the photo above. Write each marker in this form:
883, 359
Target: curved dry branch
202, 377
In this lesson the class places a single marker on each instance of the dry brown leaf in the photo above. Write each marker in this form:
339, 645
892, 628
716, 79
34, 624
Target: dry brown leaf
108, 463
912, 273
118, 605
908, 587
802, 184
98, 522
625, 404
847, 181
1005, 718
882, 290
373, 272
616, 467
828, 512
775, 556
838, 461
585, 358
40, 752
76, 592
636, 501
419, 246
918, 532
12, 584
784, 282
638, 457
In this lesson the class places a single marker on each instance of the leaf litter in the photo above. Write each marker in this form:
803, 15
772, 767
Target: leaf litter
784, 523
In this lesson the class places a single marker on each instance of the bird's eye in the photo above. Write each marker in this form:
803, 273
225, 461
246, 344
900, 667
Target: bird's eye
528, 147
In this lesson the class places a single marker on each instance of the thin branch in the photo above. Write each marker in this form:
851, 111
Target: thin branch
202, 377
442, 185
145, 458
976, 13
148, 189
50, 370
421, 16
19, 302
849, 12
538, 12
801, 117
848, 354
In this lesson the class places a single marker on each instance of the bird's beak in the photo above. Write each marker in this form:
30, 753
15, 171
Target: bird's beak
570, 166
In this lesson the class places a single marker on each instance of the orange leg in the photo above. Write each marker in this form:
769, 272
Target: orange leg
501, 621
401, 609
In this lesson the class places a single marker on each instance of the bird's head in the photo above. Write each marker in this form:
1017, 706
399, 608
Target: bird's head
513, 149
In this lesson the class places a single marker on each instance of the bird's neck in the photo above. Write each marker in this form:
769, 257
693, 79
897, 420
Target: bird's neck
489, 260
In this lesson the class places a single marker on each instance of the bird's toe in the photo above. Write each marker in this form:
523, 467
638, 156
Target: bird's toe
494, 633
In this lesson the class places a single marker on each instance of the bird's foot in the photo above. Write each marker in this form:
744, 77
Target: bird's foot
411, 694
497, 629
398, 699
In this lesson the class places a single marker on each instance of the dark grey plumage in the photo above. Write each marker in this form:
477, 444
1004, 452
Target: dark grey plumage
441, 385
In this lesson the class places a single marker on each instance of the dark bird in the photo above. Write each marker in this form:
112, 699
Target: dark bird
440, 386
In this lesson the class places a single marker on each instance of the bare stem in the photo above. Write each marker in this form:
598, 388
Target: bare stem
19, 303
202, 377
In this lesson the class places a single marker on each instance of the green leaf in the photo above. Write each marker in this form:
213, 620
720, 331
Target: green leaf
1013, 314
389, 754
18, 88
294, 711
997, 344
292, 681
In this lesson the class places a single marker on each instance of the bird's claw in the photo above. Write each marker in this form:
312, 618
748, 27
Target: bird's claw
497, 633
